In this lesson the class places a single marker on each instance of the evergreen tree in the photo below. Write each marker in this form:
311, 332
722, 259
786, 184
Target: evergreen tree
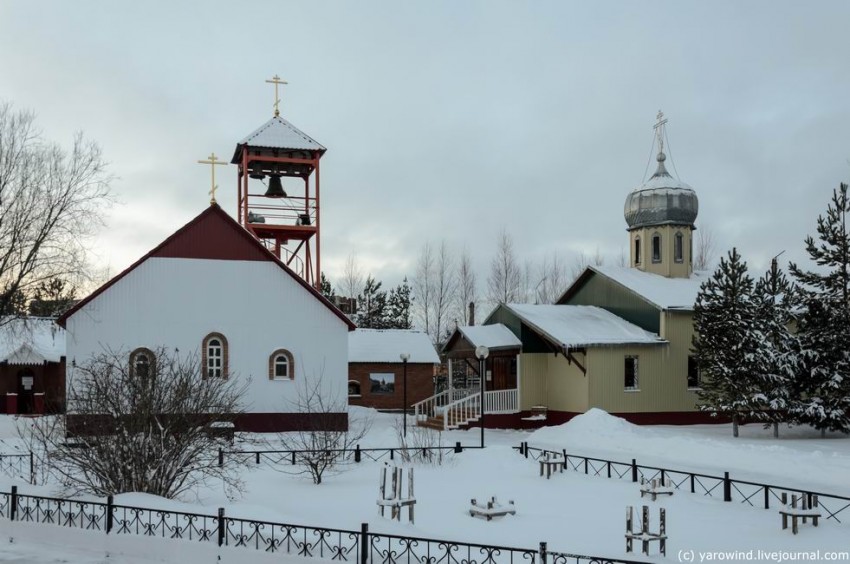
326, 288
398, 305
726, 342
778, 357
372, 306
52, 298
824, 326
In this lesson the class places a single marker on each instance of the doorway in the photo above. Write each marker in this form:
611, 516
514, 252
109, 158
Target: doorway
26, 388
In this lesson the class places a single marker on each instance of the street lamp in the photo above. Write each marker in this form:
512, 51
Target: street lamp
482, 353
404, 358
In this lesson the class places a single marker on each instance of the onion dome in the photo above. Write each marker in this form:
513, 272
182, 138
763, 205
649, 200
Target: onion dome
661, 200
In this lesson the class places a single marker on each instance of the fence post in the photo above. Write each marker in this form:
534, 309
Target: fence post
32, 469
220, 457
634, 470
357, 453
458, 448
109, 501
258, 457
293, 458
767, 497
693, 479
364, 543
727, 487
585, 465
542, 553
526, 449
662, 477
13, 504
220, 526
392, 453
608, 464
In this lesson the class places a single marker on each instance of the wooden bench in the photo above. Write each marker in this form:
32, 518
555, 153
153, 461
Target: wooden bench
549, 464
655, 488
491, 509
808, 509
645, 535
393, 496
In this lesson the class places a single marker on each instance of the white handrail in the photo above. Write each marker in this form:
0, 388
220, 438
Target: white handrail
462, 411
500, 401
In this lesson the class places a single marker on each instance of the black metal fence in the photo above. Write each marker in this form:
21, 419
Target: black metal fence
351, 455
18, 466
753, 494
359, 547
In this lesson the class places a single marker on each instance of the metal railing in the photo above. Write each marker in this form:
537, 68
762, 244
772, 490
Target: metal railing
753, 494
347, 456
362, 547
18, 466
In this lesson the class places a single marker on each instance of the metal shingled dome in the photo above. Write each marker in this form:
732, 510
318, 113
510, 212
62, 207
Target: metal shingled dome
661, 200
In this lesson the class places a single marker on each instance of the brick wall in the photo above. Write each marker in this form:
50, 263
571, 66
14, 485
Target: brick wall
420, 384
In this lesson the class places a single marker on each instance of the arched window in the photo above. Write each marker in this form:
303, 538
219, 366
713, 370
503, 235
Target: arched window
141, 362
637, 250
214, 356
656, 248
679, 247
281, 365
353, 388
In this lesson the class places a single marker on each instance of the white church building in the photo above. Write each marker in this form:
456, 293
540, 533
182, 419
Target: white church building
213, 289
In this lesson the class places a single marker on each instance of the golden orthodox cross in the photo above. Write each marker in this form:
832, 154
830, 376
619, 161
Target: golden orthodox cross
659, 130
276, 81
212, 160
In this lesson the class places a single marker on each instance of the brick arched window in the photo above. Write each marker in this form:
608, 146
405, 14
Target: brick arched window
214, 356
142, 361
354, 388
281, 365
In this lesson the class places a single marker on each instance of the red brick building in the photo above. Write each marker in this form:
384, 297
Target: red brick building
32, 366
376, 370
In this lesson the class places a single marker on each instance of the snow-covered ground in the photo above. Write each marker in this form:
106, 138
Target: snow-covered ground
572, 512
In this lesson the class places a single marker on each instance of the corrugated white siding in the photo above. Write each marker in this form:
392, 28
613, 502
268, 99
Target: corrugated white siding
175, 302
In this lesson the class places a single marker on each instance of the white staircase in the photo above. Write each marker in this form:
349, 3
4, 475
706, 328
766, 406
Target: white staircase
456, 408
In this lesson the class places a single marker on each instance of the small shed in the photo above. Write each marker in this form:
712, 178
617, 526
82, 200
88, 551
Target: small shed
376, 372
32, 366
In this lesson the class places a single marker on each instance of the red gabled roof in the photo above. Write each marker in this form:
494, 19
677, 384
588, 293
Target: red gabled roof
211, 235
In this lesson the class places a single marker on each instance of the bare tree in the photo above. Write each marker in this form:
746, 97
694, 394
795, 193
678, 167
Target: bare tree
505, 278
352, 278
150, 423
421, 445
423, 287
554, 279
51, 201
584, 260
466, 286
322, 446
445, 290
705, 252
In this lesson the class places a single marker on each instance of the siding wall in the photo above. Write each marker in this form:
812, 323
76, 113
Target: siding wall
174, 302
548, 379
532, 381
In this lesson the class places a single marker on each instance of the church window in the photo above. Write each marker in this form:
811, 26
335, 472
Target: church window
215, 355
353, 389
281, 365
679, 248
637, 250
141, 361
631, 373
656, 248
694, 380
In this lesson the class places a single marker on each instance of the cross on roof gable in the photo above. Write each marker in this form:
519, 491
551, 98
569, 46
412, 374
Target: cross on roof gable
213, 235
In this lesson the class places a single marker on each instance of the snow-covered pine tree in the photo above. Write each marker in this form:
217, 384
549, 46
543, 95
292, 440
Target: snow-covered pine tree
372, 306
778, 358
726, 342
398, 307
824, 325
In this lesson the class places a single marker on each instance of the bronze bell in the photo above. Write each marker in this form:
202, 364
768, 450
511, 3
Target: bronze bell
275, 187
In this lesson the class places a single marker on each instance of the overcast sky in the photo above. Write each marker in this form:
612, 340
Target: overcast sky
451, 120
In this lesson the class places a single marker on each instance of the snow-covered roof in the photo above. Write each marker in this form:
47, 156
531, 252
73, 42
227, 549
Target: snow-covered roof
32, 340
579, 326
665, 293
495, 336
385, 345
277, 133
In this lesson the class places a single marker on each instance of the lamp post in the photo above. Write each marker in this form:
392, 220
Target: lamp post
482, 353
404, 358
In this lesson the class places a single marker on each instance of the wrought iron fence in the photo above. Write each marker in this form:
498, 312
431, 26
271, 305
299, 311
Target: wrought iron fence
358, 547
18, 466
753, 494
351, 455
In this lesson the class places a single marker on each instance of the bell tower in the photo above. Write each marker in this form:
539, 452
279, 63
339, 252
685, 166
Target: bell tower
661, 214
278, 191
